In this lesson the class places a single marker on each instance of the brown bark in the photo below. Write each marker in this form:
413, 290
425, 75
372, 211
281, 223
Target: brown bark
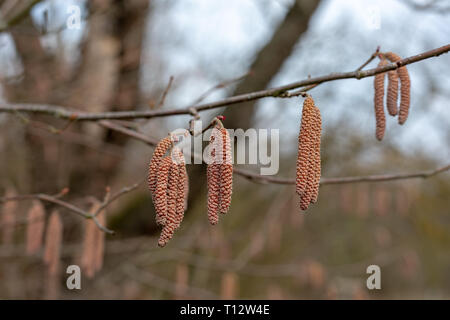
270, 59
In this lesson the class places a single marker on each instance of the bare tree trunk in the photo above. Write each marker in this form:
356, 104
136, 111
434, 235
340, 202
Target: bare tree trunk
107, 78
270, 59
266, 65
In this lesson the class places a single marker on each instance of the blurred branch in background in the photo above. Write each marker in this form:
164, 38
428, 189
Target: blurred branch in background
21, 12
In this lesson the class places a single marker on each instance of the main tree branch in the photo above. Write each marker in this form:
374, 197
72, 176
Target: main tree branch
281, 91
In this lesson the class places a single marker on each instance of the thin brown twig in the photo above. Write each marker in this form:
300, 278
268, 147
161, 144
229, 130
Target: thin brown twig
342, 180
276, 180
218, 86
373, 56
109, 199
56, 200
64, 113
19, 16
166, 91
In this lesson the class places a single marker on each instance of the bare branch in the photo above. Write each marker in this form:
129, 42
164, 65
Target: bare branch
109, 199
64, 113
342, 180
276, 180
166, 91
19, 16
218, 86
64, 204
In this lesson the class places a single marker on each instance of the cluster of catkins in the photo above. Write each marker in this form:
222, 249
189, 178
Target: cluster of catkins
168, 183
308, 159
395, 77
169, 186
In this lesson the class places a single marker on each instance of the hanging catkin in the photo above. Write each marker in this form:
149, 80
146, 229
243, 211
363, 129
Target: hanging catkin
8, 218
158, 155
392, 92
308, 159
53, 241
160, 192
317, 158
181, 185
213, 182
226, 173
170, 224
405, 87
93, 243
380, 118
304, 145
100, 241
35, 227
89, 244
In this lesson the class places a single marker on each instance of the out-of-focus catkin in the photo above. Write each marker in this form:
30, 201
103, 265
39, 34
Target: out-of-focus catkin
405, 88
53, 242
308, 159
380, 119
100, 248
8, 218
93, 243
35, 227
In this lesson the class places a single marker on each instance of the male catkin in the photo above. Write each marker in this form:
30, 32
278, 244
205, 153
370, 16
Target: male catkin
380, 119
35, 227
170, 224
226, 173
405, 88
308, 159
160, 192
53, 242
392, 92
213, 182
158, 155
304, 145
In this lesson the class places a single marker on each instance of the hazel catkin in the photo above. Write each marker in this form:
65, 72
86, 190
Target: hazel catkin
53, 241
304, 145
226, 173
157, 156
392, 92
380, 118
308, 159
160, 192
170, 224
182, 185
93, 243
316, 156
405, 88
213, 181
35, 227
